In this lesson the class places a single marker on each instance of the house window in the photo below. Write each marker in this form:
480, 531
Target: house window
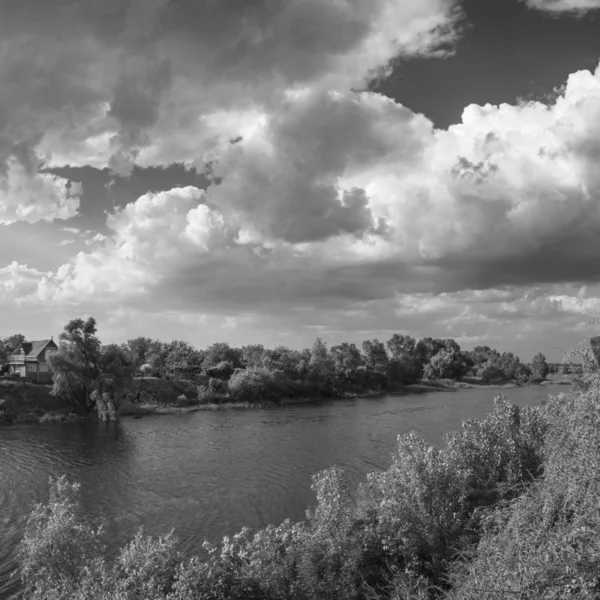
44, 368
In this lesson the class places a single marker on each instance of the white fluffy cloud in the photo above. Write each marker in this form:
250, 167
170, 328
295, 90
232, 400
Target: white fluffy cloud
32, 197
115, 84
564, 6
321, 196
332, 189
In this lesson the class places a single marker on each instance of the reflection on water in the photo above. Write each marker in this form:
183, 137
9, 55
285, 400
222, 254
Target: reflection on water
209, 474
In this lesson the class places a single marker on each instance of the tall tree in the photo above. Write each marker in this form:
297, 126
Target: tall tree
8, 345
347, 362
401, 345
252, 355
182, 359
222, 352
376, 361
539, 365
86, 373
404, 364
321, 366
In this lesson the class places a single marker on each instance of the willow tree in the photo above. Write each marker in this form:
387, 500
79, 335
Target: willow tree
87, 374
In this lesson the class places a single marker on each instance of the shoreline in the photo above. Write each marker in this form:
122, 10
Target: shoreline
38, 407
423, 387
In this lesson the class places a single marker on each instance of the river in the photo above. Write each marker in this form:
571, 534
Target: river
210, 473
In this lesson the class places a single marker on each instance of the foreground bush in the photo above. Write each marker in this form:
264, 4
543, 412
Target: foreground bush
546, 543
399, 537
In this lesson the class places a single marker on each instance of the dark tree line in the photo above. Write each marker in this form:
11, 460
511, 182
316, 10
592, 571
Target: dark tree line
87, 372
253, 371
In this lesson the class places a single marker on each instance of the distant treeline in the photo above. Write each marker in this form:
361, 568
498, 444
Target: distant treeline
254, 373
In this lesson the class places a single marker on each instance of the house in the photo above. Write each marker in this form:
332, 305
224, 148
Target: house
29, 360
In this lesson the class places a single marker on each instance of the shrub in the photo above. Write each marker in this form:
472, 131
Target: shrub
215, 391
258, 384
58, 546
514, 496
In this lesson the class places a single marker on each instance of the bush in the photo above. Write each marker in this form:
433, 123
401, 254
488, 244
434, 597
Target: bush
258, 384
514, 497
545, 544
215, 390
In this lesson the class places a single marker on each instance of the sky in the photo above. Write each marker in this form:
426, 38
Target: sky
270, 171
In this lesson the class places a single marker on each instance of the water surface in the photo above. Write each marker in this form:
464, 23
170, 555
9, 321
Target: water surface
208, 474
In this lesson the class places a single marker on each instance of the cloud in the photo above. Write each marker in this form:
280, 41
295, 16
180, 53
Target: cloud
330, 206
112, 84
564, 6
341, 199
66, 242
72, 230
18, 280
283, 180
99, 237
32, 196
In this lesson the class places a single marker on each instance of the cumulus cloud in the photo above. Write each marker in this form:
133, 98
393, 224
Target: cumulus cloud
564, 6
31, 196
321, 196
115, 84
18, 280
336, 189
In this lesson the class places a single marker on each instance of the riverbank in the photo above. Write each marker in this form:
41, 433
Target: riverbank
148, 472
28, 403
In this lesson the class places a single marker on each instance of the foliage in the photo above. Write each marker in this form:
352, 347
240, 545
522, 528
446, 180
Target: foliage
377, 362
222, 353
401, 534
75, 365
258, 384
181, 360
545, 544
318, 371
58, 546
215, 391
347, 362
8, 345
539, 366
88, 374
448, 363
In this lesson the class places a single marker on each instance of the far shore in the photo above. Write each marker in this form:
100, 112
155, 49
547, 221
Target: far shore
33, 403
129, 409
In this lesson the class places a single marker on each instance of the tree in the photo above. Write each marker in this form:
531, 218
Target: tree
8, 345
441, 366
182, 360
87, 374
401, 345
539, 366
404, 364
321, 367
346, 361
293, 363
222, 352
141, 348
258, 384
376, 361
426, 349
75, 363
252, 355
480, 356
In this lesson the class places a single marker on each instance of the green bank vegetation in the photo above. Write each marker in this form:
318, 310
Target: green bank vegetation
89, 375
508, 508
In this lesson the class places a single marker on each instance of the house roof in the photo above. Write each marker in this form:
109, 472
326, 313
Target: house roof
34, 349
